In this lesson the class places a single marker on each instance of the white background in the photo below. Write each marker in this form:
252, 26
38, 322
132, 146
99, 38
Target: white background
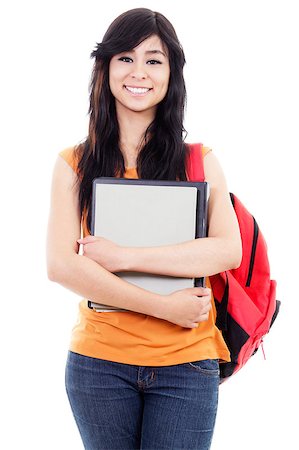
242, 81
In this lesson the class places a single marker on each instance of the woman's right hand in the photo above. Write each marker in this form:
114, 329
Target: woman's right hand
187, 307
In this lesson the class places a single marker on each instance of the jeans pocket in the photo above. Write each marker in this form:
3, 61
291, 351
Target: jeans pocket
206, 366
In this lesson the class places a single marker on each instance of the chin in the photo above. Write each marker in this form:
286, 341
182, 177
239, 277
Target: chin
141, 108
134, 106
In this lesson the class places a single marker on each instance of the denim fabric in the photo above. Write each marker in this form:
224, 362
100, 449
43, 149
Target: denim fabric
120, 406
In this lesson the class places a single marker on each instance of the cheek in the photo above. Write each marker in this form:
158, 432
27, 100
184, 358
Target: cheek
166, 78
111, 77
164, 84
114, 76
112, 88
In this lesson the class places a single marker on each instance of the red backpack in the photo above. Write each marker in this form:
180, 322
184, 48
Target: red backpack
244, 297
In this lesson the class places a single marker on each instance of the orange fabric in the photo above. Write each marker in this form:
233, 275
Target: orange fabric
139, 339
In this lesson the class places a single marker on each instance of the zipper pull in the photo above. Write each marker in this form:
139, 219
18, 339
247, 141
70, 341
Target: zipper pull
262, 346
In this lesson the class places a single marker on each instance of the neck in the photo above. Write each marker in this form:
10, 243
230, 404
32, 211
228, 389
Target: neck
132, 126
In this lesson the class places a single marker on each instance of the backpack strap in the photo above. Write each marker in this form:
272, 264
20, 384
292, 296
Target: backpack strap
195, 167
222, 305
195, 171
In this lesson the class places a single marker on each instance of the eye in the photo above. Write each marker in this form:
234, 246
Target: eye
125, 59
153, 61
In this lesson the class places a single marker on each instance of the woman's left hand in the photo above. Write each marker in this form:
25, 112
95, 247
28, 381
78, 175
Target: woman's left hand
103, 251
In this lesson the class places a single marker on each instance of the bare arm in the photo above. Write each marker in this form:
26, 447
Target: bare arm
89, 279
200, 257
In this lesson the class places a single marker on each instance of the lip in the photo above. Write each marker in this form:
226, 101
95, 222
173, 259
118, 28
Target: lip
137, 87
126, 86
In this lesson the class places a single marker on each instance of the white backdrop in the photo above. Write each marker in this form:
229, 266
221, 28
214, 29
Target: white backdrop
242, 80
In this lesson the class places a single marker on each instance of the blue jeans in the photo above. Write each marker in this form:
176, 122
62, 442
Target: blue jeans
125, 407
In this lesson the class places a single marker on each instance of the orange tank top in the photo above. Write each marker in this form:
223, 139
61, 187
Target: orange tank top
139, 339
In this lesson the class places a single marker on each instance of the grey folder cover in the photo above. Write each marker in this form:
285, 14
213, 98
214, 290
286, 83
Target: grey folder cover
149, 213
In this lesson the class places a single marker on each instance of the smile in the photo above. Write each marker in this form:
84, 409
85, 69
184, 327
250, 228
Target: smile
137, 90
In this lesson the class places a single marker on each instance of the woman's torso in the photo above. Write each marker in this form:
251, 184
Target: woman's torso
134, 338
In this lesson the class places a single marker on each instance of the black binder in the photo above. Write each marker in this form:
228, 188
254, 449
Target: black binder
145, 213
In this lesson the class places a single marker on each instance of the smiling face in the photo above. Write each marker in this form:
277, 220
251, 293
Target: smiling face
139, 78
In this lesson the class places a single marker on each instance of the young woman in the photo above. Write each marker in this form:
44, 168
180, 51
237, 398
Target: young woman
146, 378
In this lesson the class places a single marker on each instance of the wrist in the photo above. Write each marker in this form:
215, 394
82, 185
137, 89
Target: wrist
128, 256
159, 307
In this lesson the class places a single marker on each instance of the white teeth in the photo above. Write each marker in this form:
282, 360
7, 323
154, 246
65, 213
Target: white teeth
136, 90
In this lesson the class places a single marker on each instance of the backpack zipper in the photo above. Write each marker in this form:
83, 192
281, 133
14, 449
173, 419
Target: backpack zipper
253, 251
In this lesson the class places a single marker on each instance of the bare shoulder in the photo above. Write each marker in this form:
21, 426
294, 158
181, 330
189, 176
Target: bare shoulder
64, 216
64, 174
214, 174
65, 189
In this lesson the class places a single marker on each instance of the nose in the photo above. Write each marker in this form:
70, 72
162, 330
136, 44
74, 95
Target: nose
138, 72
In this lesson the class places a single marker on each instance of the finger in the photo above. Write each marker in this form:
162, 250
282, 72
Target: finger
87, 239
203, 317
204, 298
206, 308
205, 304
199, 291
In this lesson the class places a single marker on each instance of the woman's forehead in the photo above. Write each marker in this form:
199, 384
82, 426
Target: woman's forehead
152, 44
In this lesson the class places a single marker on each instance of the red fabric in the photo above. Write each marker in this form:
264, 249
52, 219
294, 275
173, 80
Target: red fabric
195, 167
245, 297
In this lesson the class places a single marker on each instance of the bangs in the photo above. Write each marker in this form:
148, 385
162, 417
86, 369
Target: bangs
126, 32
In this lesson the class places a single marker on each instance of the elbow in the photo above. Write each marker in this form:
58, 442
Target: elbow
58, 270
235, 255
236, 262
53, 272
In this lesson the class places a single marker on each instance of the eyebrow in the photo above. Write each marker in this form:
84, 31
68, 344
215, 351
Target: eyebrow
149, 52
155, 51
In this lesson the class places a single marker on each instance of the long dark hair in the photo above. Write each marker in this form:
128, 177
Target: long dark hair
163, 153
